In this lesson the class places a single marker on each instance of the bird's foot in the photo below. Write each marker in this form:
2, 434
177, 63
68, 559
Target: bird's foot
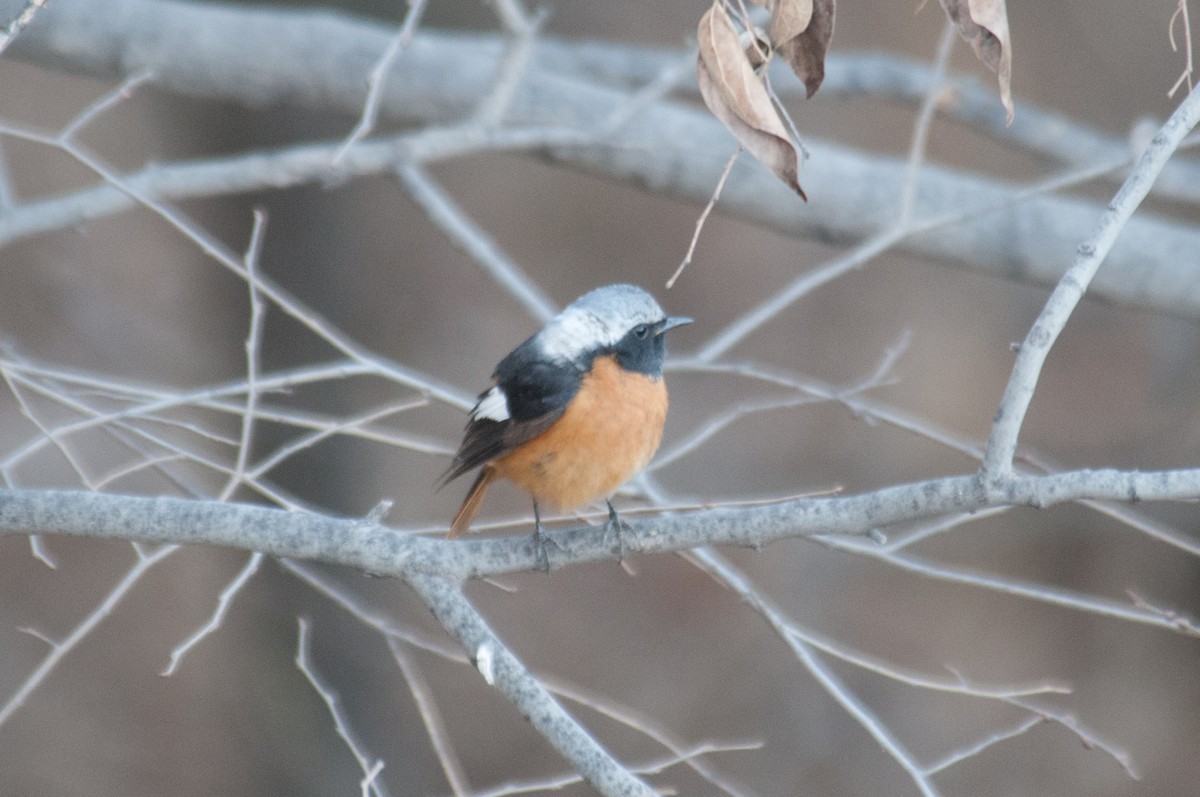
539, 548
615, 525
541, 542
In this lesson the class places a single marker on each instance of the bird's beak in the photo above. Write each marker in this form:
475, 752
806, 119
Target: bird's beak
672, 322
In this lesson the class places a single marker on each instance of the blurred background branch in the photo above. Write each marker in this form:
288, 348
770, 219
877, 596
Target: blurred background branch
317, 61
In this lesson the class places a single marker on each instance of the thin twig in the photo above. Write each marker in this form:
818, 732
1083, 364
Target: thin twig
370, 768
972, 750
7, 197
60, 649
919, 140
325, 431
253, 349
66, 137
669, 78
1181, 13
431, 717
712, 202
377, 77
152, 403
512, 15
1005, 585
224, 602
1090, 739
701, 433
518, 51
868, 719
879, 243
462, 230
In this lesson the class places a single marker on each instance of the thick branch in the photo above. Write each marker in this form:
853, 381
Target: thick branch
506, 672
890, 77
319, 60
380, 550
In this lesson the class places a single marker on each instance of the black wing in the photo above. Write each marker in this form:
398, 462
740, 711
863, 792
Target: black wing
537, 394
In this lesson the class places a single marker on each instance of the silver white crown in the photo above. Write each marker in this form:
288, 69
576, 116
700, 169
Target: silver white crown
597, 319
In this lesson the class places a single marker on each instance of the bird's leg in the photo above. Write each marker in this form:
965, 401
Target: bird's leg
539, 542
615, 524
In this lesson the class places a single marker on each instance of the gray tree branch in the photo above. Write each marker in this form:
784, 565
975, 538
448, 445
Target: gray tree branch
1002, 443
319, 60
374, 548
502, 668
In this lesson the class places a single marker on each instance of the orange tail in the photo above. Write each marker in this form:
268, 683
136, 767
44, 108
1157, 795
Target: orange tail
470, 505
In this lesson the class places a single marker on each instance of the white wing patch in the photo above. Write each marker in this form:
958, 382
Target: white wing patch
493, 406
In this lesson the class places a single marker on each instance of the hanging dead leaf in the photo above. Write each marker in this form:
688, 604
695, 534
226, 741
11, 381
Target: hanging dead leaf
984, 24
737, 97
800, 31
789, 18
805, 51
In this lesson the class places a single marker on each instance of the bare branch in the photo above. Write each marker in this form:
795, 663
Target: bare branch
1055, 596
1146, 270
511, 68
1181, 14
341, 722
862, 713
432, 718
424, 641
803, 641
972, 750
588, 758
444, 212
377, 549
253, 350
1002, 444
59, 650
924, 121
375, 80
225, 600
712, 202
19, 22
1089, 738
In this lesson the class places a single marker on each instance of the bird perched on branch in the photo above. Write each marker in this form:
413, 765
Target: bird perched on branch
573, 412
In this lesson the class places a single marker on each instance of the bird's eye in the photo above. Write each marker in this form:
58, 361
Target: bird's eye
641, 331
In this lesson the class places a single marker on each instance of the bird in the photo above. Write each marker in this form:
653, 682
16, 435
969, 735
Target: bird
573, 412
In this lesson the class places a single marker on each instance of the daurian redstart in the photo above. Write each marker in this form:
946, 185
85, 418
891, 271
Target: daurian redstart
575, 411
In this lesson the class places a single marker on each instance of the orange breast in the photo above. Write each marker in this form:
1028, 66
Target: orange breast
607, 436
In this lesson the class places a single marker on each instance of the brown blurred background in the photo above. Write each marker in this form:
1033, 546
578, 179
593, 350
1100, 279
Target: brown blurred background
130, 298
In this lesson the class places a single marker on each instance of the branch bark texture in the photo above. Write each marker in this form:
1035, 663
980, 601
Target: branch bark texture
376, 549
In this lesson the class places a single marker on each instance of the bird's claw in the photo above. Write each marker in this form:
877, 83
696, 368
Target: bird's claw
615, 525
539, 549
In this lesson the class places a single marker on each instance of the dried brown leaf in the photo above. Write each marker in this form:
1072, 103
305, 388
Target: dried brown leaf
789, 18
984, 24
737, 97
805, 52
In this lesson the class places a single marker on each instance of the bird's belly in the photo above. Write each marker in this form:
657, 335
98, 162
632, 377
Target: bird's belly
607, 435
